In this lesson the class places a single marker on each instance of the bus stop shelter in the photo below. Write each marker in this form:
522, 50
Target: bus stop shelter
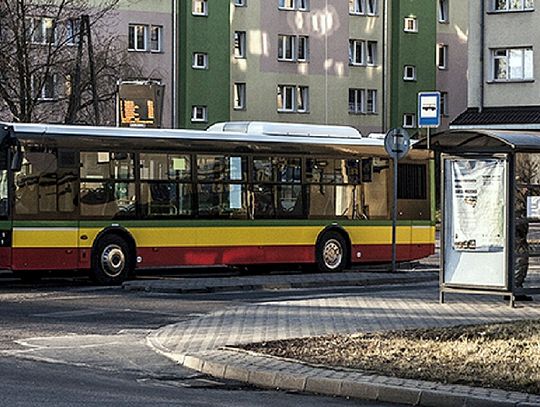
490, 211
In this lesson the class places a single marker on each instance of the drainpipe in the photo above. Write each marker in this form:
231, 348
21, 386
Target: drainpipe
482, 46
174, 81
384, 67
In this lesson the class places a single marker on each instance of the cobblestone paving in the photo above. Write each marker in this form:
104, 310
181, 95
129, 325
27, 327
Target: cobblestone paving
199, 343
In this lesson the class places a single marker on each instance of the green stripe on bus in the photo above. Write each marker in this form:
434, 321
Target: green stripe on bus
211, 223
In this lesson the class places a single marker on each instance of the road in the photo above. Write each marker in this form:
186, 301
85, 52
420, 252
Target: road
65, 342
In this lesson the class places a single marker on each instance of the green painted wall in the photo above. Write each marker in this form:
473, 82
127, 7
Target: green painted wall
210, 87
412, 49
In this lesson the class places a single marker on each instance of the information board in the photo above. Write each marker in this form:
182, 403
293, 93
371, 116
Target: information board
140, 104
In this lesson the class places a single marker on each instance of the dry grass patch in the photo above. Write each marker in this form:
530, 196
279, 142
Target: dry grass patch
505, 356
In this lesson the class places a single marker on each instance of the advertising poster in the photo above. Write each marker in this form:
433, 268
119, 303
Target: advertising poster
478, 205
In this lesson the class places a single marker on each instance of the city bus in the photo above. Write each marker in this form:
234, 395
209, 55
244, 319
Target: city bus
109, 201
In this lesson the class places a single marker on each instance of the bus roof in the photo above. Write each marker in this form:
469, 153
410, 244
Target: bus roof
253, 132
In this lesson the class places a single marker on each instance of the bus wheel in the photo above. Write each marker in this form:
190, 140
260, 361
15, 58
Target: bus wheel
332, 252
111, 261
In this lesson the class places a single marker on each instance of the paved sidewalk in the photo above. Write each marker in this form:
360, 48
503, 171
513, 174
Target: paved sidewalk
278, 281
204, 343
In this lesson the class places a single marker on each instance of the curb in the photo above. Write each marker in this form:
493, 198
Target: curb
211, 285
410, 392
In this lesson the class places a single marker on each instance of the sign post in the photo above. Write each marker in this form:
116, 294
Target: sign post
429, 111
397, 144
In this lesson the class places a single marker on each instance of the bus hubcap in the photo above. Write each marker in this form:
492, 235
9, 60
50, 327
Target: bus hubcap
333, 253
113, 260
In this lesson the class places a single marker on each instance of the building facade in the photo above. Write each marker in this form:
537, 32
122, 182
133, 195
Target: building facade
452, 58
503, 89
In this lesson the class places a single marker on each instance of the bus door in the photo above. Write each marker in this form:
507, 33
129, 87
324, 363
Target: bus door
45, 225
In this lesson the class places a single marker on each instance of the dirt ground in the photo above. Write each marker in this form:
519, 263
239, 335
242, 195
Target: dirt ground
504, 356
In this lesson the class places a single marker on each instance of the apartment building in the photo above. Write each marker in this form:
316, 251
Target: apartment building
412, 60
452, 58
308, 61
145, 28
503, 89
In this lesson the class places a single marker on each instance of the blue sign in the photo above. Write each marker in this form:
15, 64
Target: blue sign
429, 109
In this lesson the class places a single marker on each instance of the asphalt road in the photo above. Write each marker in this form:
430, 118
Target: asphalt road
65, 342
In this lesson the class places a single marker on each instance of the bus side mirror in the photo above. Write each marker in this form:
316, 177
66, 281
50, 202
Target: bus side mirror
16, 161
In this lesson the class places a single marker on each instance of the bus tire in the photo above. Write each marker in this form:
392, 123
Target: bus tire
112, 262
332, 252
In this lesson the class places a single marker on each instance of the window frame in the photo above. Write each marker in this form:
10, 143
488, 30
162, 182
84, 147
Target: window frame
357, 7
159, 40
240, 41
239, 96
443, 12
194, 61
135, 27
194, 116
356, 45
203, 12
409, 69
442, 56
359, 102
413, 28
406, 124
508, 59
286, 46
507, 8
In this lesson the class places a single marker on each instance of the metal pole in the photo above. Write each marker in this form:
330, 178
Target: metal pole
394, 215
428, 137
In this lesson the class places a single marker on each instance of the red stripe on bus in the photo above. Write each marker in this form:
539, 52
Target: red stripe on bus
197, 256
5, 257
68, 259
383, 253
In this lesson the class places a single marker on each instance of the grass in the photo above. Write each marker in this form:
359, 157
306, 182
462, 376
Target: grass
504, 356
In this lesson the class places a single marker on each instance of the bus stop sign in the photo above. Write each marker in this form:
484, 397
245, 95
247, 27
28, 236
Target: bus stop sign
397, 143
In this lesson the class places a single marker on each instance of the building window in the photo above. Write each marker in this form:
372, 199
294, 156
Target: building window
357, 7
302, 5
199, 114
73, 27
371, 102
410, 25
239, 44
41, 30
442, 56
513, 5
156, 34
357, 103
302, 98
200, 60
285, 98
443, 11
444, 104
371, 7
409, 73
199, 7
409, 120
512, 64
356, 52
286, 47
303, 49
45, 87
240, 3
371, 54
137, 37
293, 48
292, 99
239, 96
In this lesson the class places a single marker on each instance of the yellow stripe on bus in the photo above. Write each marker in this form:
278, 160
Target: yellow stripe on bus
222, 236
